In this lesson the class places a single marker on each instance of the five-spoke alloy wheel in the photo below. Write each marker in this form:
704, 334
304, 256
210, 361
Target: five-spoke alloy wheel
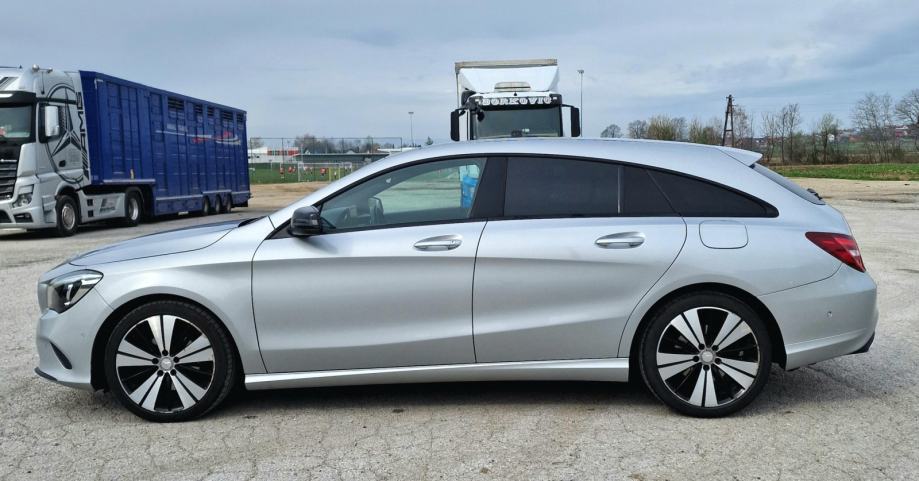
169, 361
706, 354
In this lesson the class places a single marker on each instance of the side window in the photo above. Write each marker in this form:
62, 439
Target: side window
640, 196
695, 198
550, 187
440, 191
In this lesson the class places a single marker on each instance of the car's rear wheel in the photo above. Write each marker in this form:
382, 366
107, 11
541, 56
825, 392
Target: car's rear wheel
706, 354
169, 361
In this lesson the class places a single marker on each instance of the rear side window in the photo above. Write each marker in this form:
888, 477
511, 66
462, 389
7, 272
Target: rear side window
553, 187
788, 184
696, 198
640, 197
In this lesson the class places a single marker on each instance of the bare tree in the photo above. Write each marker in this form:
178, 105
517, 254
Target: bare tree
907, 110
873, 117
789, 121
827, 131
662, 127
743, 128
611, 131
770, 134
638, 129
256, 143
709, 133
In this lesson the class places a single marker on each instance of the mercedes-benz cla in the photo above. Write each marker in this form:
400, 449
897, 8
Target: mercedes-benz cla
692, 266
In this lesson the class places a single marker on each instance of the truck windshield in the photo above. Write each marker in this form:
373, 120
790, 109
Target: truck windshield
15, 122
530, 122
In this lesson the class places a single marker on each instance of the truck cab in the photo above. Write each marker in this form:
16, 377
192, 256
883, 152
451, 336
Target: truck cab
517, 98
42, 149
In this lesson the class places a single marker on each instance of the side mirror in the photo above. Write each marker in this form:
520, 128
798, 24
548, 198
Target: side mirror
52, 124
575, 122
305, 222
454, 124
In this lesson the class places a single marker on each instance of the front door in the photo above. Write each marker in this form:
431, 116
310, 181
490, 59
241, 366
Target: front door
389, 282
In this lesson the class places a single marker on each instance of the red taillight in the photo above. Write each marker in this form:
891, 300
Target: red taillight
840, 246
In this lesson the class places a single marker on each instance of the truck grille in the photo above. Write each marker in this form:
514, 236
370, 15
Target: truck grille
7, 178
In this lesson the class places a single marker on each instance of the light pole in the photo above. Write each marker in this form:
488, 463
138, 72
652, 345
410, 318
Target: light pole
411, 126
581, 107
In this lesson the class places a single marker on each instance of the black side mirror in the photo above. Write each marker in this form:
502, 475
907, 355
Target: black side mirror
575, 122
454, 124
305, 222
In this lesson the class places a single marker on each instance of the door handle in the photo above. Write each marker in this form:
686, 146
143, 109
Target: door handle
622, 240
439, 243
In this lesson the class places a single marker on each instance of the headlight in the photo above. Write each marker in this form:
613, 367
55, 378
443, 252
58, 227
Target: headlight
25, 196
65, 291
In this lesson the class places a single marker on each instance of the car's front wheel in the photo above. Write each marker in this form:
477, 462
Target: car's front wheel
706, 354
169, 361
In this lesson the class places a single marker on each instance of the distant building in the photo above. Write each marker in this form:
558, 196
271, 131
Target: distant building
265, 155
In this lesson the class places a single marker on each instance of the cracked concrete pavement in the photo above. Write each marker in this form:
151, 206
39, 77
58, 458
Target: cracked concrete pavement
855, 417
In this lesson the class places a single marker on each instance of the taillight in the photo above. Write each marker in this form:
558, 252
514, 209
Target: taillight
840, 246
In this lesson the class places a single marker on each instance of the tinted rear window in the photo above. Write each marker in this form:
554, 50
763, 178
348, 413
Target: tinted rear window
788, 184
549, 187
696, 198
640, 197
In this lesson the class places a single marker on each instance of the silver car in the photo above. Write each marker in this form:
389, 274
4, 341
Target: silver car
693, 267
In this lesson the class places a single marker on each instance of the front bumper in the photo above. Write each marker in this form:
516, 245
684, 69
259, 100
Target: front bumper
826, 319
31, 216
65, 341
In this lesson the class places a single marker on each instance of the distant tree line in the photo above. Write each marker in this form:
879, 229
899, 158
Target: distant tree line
875, 132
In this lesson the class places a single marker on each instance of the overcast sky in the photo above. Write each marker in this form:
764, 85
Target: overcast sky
339, 68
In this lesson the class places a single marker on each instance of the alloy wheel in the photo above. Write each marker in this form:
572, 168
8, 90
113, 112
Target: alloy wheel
165, 364
708, 356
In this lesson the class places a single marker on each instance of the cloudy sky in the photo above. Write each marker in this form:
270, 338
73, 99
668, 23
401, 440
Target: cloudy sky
340, 68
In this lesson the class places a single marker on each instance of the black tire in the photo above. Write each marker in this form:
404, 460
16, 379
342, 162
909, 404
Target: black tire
229, 205
221, 205
678, 388
205, 207
68, 216
133, 208
128, 375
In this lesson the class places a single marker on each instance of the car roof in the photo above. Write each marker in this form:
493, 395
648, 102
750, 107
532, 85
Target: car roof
720, 164
656, 153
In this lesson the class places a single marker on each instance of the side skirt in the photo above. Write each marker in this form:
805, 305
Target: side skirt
613, 370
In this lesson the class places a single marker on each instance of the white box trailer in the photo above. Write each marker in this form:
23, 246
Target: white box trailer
509, 98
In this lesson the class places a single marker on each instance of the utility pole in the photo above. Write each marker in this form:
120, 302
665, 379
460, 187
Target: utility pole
411, 126
728, 122
581, 107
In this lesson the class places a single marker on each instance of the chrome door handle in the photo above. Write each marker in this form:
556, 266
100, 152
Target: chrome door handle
439, 243
622, 240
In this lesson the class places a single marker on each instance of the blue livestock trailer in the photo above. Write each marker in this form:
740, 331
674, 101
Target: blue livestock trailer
119, 149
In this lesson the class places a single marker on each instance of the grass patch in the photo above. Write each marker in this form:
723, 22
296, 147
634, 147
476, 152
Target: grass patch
851, 171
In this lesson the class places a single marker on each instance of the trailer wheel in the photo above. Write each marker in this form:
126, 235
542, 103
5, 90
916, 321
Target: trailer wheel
205, 207
221, 205
133, 208
68, 216
229, 204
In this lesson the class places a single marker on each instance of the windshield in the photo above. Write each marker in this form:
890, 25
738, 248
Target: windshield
15, 122
530, 122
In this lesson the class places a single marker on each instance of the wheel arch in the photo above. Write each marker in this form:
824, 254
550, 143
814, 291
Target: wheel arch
97, 368
775, 334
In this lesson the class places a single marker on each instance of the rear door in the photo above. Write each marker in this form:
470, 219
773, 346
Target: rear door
579, 242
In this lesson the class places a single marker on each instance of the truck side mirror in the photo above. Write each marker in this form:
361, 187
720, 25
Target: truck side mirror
52, 123
575, 122
454, 124
305, 222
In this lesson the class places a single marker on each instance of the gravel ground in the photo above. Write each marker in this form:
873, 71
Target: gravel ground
851, 418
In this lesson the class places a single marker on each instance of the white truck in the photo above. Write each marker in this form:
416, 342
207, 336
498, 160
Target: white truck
513, 98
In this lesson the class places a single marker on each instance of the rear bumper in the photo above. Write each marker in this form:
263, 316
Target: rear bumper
826, 319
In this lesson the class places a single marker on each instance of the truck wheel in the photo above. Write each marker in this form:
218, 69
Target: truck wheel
229, 204
68, 216
221, 205
133, 208
205, 207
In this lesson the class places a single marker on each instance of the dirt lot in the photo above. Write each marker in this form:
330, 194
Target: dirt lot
851, 418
